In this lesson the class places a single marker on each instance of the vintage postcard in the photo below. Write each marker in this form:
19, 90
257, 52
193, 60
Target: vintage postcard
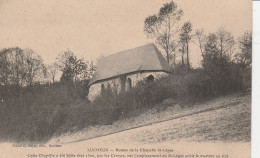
125, 78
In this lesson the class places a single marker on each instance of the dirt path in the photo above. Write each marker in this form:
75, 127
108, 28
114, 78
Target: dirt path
227, 124
218, 127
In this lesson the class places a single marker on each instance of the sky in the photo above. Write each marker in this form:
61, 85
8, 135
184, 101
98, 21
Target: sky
90, 28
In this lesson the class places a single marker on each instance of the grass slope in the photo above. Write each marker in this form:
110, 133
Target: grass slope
225, 119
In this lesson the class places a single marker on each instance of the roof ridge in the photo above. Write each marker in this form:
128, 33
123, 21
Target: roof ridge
127, 50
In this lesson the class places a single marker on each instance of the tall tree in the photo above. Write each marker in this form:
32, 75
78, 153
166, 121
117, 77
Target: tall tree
52, 71
34, 68
201, 37
185, 37
12, 70
81, 70
72, 68
182, 51
211, 47
20, 67
212, 63
16, 60
163, 26
244, 57
226, 42
5, 67
92, 69
216, 62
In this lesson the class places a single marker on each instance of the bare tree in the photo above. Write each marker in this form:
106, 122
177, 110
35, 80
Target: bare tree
217, 52
5, 66
34, 68
185, 37
12, 66
20, 67
16, 59
52, 71
244, 57
182, 51
163, 28
226, 42
92, 69
201, 37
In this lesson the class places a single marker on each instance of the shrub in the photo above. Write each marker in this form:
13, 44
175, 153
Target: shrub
37, 113
143, 95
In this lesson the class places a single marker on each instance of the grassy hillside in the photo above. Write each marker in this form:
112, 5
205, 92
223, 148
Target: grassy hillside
39, 112
223, 119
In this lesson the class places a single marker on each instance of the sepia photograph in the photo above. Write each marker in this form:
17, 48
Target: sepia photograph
125, 78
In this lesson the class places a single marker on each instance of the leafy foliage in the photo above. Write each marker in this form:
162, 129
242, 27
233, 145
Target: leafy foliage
163, 26
72, 68
185, 38
244, 57
20, 67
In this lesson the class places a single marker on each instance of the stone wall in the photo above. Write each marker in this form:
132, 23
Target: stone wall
118, 83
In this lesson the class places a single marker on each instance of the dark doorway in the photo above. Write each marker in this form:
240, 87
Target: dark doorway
150, 78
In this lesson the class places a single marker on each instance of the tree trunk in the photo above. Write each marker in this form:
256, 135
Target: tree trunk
182, 55
188, 60
221, 48
202, 54
167, 56
174, 59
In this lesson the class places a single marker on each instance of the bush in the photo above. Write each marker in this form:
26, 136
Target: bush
35, 113
187, 88
39, 112
143, 95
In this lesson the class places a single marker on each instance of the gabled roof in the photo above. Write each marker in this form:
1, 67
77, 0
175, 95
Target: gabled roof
143, 58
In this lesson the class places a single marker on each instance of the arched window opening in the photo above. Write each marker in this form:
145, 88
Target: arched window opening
102, 88
123, 82
108, 87
150, 78
129, 83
